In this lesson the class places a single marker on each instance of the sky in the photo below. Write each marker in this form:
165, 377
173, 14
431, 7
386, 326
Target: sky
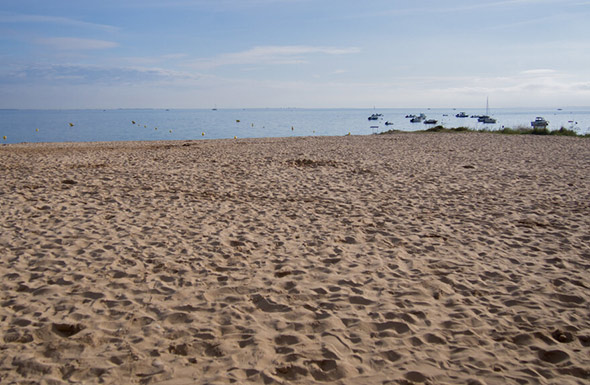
294, 53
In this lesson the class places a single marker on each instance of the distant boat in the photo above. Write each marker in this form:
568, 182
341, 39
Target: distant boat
486, 118
418, 119
388, 123
430, 121
375, 116
461, 115
539, 122
410, 116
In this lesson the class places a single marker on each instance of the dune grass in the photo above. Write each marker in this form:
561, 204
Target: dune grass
519, 130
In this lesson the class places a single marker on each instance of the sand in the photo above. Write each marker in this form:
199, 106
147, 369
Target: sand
393, 259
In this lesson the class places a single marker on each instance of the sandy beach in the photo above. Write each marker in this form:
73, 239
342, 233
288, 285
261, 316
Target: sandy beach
391, 259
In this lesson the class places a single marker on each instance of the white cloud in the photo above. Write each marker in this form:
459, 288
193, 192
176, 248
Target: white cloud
93, 75
540, 71
75, 43
271, 55
174, 56
27, 18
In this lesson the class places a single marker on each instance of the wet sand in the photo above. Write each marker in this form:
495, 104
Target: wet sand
394, 259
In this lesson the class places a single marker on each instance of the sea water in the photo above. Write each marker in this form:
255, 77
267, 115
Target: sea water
191, 124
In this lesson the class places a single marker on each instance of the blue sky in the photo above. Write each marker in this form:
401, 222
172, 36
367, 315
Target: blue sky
294, 53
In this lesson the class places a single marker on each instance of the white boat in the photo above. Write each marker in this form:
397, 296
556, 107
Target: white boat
486, 118
430, 121
539, 122
461, 115
418, 119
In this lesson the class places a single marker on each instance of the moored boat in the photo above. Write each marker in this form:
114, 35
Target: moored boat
486, 119
539, 122
418, 118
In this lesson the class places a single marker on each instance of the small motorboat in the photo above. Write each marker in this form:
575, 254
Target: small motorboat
418, 118
539, 122
388, 123
374, 117
461, 115
430, 121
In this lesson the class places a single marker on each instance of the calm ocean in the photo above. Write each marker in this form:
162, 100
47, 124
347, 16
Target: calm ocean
159, 124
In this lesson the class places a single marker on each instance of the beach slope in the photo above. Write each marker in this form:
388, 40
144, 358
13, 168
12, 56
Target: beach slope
391, 259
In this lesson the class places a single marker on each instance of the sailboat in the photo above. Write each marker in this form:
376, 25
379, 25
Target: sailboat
486, 118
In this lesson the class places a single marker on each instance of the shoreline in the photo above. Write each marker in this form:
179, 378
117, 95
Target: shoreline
425, 258
429, 131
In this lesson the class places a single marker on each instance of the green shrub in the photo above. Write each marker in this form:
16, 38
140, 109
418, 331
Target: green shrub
540, 131
519, 130
438, 128
564, 132
510, 131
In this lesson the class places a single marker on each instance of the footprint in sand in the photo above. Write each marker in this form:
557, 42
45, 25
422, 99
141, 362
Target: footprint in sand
286, 340
415, 376
399, 327
358, 300
179, 318
553, 356
268, 306
325, 370
390, 355
562, 336
434, 339
92, 295
66, 330
290, 372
